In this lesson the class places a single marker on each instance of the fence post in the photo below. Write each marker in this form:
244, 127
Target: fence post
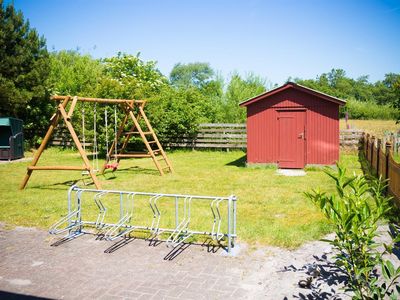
372, 150
388, 147
366, 146
392, 141
361, 142
378, 154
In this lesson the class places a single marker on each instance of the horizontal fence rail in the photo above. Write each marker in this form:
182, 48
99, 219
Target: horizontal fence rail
350, 138
221, 136
380, 157
145, 212
234, 136
214, 135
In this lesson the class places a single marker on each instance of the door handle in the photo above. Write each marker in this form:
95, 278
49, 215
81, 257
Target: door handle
301, 135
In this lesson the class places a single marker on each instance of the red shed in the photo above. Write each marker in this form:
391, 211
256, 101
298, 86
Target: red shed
293, 126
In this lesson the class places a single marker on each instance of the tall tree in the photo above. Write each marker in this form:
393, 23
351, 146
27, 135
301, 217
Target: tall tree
74, 74
24, 62
24, 67
364, 99
191, 75
239, 90
131, 77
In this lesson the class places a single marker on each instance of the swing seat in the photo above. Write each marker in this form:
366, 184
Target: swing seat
113, 166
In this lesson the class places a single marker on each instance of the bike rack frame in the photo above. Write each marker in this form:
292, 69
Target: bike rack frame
75, 225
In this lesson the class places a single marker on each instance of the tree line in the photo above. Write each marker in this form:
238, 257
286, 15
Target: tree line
192, 93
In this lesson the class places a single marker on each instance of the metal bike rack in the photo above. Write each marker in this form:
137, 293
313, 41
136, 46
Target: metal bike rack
122, 227
181, 232
74, 224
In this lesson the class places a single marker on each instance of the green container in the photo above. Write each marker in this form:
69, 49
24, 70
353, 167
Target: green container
11, 138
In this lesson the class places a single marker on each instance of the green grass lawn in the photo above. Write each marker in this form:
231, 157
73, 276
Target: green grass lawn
271, 209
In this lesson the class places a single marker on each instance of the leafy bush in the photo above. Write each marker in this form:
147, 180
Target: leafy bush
134, 78
176, 113
239, 90
355, 211
74, 74
369, 110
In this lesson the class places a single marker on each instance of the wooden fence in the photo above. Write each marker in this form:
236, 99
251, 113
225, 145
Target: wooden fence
233, 136
218, 136
61, 137
380, 157
350, 139
394, 139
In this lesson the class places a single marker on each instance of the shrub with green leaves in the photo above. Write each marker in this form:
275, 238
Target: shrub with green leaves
369, 110
355, 211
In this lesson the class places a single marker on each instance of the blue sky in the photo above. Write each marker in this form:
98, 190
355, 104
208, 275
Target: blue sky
273, 39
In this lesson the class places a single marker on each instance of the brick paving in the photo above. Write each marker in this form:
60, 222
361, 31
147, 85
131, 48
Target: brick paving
86, 268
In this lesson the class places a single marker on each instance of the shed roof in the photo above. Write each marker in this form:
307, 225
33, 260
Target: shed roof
292, 85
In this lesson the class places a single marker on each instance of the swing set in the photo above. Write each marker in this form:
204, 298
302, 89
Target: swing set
133, 113
95, 159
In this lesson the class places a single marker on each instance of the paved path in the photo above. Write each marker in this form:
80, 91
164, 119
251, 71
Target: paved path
86, 268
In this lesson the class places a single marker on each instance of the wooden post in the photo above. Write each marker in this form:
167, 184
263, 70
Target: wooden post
363, 142
128, 107
372, 148
142, 135
72, 108
388, 149
79, 146
366, 146
54, 122
155, 138
378, 154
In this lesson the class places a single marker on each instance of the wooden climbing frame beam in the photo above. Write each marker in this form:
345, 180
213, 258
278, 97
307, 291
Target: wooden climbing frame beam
134, 112
98, 100
67, 168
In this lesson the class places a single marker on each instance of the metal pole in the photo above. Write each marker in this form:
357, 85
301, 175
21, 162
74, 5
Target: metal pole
234, 220
176, 212
229, 225
121, 208
69, 202
78, 203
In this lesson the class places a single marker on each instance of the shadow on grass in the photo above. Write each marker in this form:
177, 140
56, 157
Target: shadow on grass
138, 170
57, 185
365, 167
240, 162
87, 181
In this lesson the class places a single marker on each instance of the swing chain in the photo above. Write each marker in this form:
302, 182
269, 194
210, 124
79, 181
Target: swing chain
106, 125
115, 134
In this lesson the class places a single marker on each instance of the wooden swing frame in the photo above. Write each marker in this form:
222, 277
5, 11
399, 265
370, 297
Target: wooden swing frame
134, 111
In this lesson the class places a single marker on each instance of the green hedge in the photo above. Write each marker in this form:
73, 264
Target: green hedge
368, 110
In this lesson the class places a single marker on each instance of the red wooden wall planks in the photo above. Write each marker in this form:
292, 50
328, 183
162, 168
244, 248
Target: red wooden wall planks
321, 126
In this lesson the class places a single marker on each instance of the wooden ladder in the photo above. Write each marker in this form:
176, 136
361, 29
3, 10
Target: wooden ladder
148, 136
